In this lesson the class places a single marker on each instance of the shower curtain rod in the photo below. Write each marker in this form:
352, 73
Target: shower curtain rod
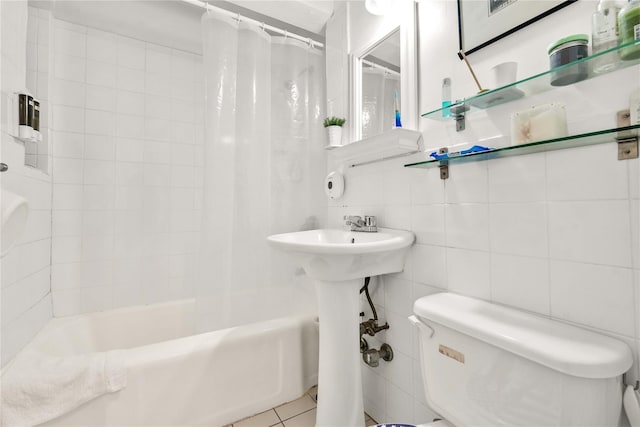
380, 67
237, 16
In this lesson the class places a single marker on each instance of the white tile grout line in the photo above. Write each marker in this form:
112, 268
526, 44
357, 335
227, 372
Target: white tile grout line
307, 393
296, 415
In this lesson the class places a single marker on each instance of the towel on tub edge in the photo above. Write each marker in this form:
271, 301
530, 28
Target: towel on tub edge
37, 387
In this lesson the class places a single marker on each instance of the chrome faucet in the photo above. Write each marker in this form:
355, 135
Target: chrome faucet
356, 223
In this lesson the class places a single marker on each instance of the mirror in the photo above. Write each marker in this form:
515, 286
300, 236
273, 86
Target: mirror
380, 69
381, 86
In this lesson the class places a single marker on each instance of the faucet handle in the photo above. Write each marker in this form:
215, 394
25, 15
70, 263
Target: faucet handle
352, 219
358, 224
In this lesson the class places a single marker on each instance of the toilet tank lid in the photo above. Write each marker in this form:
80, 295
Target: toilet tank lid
556, 345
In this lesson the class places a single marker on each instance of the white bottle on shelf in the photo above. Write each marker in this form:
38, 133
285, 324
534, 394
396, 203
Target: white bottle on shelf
604, 33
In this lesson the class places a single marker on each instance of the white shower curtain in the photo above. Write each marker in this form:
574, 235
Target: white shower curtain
378, 110
263, 171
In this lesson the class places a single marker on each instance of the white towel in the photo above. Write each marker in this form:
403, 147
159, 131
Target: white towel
38, 387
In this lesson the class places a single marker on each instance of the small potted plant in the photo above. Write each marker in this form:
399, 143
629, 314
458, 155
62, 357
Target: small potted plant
334, 128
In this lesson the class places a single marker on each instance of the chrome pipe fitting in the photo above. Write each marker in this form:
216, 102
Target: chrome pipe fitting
372, 357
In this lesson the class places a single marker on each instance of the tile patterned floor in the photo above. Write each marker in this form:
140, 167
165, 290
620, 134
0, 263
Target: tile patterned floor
298, 413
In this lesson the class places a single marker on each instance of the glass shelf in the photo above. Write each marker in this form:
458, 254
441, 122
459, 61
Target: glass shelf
533, 85
581, 140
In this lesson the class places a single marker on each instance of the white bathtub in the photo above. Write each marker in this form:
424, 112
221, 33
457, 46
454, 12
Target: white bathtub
176, 378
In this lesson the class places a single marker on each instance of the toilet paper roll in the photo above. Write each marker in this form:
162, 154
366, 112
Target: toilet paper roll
631, 406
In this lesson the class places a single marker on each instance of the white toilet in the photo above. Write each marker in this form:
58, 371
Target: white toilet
488, 365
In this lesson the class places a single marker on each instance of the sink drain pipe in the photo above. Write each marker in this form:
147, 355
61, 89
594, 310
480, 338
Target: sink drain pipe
365, 289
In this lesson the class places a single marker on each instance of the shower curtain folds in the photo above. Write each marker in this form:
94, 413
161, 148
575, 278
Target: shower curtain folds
263, 170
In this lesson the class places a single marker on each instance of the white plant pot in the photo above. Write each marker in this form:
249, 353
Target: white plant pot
335, 136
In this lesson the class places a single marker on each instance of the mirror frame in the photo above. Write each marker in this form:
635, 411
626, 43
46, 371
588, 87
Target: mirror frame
408, 72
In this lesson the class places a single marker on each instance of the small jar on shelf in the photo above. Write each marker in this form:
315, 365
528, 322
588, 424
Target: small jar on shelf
564, 51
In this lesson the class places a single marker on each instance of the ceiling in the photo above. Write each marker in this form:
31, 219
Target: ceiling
308, 15
176, 24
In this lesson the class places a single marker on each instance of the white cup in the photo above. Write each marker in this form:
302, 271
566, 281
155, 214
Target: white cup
505, 73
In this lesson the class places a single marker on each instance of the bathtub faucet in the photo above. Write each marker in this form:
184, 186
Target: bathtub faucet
368, 224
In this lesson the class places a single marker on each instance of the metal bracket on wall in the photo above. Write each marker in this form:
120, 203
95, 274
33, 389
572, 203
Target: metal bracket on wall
627, 139
458, 113
444, 164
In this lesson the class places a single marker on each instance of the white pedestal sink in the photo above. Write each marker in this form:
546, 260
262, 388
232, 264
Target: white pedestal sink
338, 260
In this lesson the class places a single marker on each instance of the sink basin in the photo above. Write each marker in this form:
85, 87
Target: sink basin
338, 261
333, 254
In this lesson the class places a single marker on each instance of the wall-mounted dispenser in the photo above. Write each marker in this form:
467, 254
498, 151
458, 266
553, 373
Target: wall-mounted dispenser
24, 117
334, 185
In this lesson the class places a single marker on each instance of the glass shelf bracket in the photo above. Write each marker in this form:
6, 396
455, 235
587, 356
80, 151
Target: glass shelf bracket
627, 139
625, 136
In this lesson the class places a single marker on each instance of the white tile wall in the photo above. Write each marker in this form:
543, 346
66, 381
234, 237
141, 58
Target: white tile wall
429, 265
25, 270
597, 176
37, 82
595, 231
594, 295
125, 181
469, 185
514, 223
552, 233
467, 226
521, 282
468, 272
427, 222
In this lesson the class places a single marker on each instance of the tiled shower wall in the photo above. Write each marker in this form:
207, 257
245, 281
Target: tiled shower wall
127, 120
25, 270
38, 60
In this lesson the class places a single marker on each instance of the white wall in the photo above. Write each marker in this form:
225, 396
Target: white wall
25, 295
337, 67
127, 116
554, 233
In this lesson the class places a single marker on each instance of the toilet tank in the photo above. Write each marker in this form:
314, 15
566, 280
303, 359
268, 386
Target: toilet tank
488, 365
